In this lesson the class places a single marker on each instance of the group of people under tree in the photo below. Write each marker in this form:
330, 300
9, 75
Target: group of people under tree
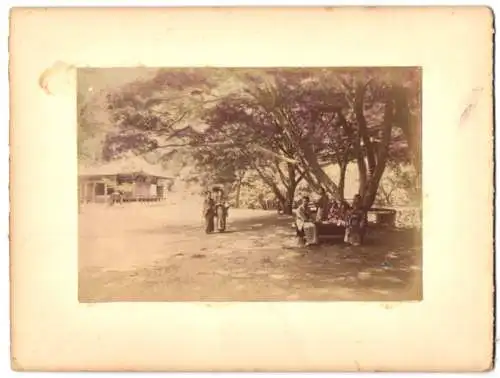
338, 213
215, 210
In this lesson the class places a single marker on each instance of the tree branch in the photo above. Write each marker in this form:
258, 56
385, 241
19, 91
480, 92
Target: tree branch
283, 178
178, 120
301, 176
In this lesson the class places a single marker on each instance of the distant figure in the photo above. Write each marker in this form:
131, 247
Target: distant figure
356, 223
305, 223
116, 197
322, 205
262, 201
209, 212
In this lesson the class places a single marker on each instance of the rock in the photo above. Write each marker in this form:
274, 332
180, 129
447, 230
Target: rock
364, 275
277, 276
289, 255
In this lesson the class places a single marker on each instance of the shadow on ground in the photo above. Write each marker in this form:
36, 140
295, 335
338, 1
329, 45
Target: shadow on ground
389, 262
259, 259
238, 225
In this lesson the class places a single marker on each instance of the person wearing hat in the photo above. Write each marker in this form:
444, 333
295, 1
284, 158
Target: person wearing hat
356, 223
209, 212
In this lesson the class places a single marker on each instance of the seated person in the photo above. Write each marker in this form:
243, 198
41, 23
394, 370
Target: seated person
305, 222
322, 205
338, 213
334, 214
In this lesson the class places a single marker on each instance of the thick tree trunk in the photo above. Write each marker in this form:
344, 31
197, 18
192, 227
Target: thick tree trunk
238, 193
291, 186
269, 182
289, 198
370, 192
317, 171
363, 177
411, 127
315, 175
363, 131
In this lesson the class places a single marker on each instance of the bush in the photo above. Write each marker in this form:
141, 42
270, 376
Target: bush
410, 217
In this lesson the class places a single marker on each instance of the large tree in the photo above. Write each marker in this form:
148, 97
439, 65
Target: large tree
340, 116
242, 133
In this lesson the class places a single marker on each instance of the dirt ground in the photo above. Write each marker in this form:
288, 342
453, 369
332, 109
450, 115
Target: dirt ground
159, 252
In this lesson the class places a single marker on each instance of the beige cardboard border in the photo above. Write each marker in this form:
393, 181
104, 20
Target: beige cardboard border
451, 329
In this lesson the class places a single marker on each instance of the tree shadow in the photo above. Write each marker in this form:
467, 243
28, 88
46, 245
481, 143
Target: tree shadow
386, 267
389, 262
234, 226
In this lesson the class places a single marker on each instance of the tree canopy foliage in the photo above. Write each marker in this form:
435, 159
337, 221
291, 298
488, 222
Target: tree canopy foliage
285, 125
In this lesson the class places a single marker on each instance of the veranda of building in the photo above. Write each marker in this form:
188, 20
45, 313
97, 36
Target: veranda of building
96, 184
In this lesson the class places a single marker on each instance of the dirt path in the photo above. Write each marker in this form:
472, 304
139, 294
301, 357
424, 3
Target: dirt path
149, 252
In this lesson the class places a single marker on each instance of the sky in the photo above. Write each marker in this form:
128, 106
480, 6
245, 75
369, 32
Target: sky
96, 79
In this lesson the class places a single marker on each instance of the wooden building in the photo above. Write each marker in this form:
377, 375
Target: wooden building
137, 182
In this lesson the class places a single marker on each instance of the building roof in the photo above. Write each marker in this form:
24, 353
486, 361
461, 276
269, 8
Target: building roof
123, 167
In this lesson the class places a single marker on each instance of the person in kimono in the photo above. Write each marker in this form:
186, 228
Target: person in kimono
305, 223
209, 212
334, 213
221, 211
322, 205
343, 213
356, 222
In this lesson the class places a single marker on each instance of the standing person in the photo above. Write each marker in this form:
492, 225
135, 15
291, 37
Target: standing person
114, 198
305, 223
278, 205
343, 212
220, 211
322, 205
209, 212
356, 222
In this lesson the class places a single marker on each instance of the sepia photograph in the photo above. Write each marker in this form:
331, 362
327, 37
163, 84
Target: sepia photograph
232, 189
249, 184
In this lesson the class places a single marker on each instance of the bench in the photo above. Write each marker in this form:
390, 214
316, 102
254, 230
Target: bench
330, 231
326, 231
383, 217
